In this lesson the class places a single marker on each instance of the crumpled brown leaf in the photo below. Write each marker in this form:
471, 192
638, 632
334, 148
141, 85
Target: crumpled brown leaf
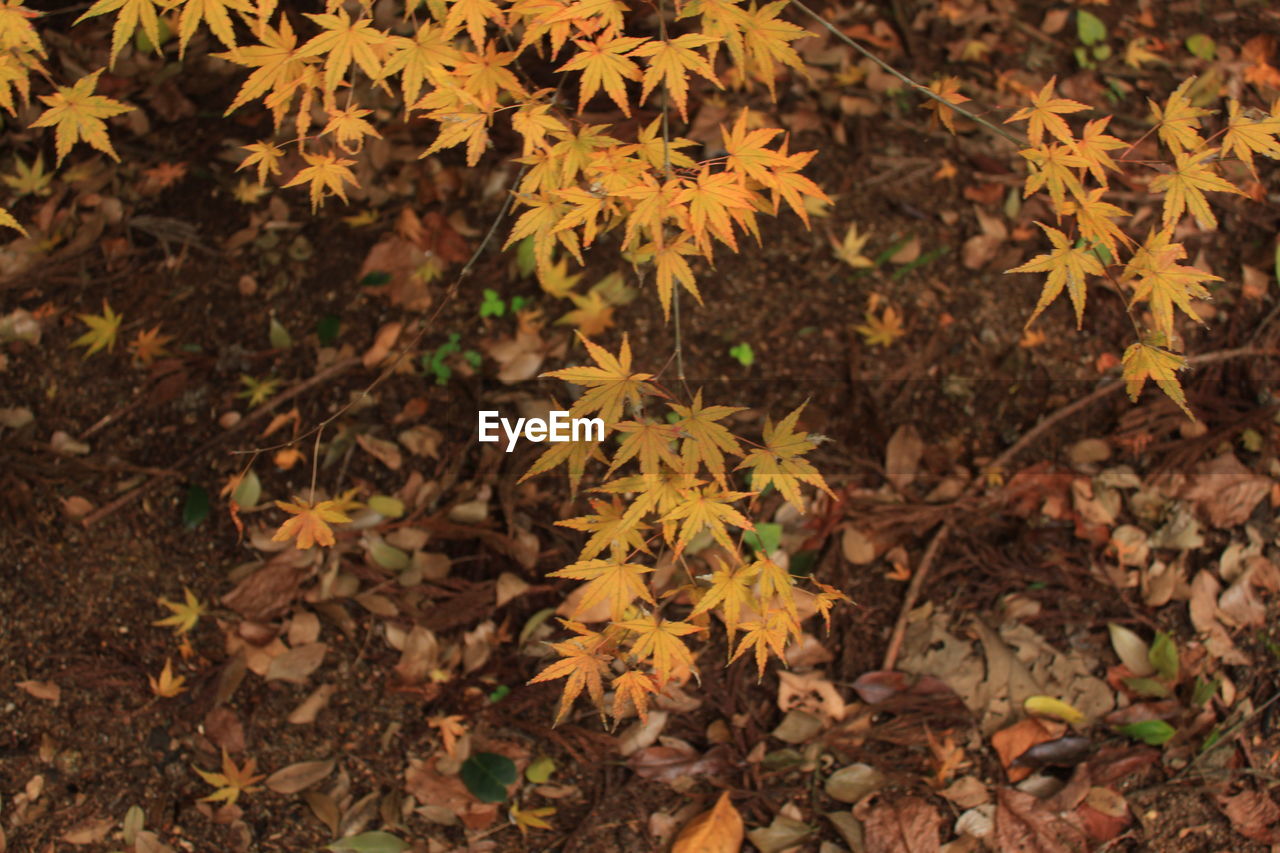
1253, 814
900, 825
675, 758
1225, 491
1029, 825
266, 593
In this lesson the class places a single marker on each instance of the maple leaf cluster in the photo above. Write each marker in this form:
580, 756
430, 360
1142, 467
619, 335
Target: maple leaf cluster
677, 491
460, 68
1088, 240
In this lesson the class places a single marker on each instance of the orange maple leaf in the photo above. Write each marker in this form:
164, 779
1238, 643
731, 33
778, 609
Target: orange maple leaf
1045, 114
309, 525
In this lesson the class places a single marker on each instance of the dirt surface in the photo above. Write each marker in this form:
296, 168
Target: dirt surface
78, 602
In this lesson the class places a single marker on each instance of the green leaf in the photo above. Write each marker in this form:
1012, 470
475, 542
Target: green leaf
1147, 687
248, 491
1202, 46
1164, 656
279, 335
540, 769
196, 509
487, 775
765, 539
744, 354
492, 306
386, 506
327, 329
389, 556
1090, 28
1150, 732
1203, 690
518, 303
472, 358
526, 262
375, 279
369, 842
499, 693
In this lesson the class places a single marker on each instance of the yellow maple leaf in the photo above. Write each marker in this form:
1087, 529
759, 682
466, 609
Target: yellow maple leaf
1185, 186
583, 664
342, 42
1164, 283
883, 330
610, 386
232, 781
633, 687
103, 329
765, 635
1045, 114
850, 248
947, 88
424, 59
1150, 360
658, 641
527, 819
167, 686
309, 525
277, 67
265, 156
1067, 266
215, 14
591, 315
827, 598
709, 508
604, 64
704, 440
1178, 121
184, 615
780, 462
615, 581
130, 14
1246, 136
7, 221
76, 114
730, 590
325, 172
29, 179
557, 280
670, 62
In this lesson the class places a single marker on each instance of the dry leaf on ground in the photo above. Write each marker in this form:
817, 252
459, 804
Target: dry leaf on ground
718, 830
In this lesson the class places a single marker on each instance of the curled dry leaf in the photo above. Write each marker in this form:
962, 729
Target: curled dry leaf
383, 341
1203, 608
311, 706
296, 664
719, 830
384, 451
902, 456
675, 758
299, 777
1253, 814
46, 690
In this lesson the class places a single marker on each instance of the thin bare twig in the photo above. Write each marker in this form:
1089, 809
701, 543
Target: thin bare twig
923, 90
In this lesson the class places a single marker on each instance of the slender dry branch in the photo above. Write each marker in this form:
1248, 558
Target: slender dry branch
923, 90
